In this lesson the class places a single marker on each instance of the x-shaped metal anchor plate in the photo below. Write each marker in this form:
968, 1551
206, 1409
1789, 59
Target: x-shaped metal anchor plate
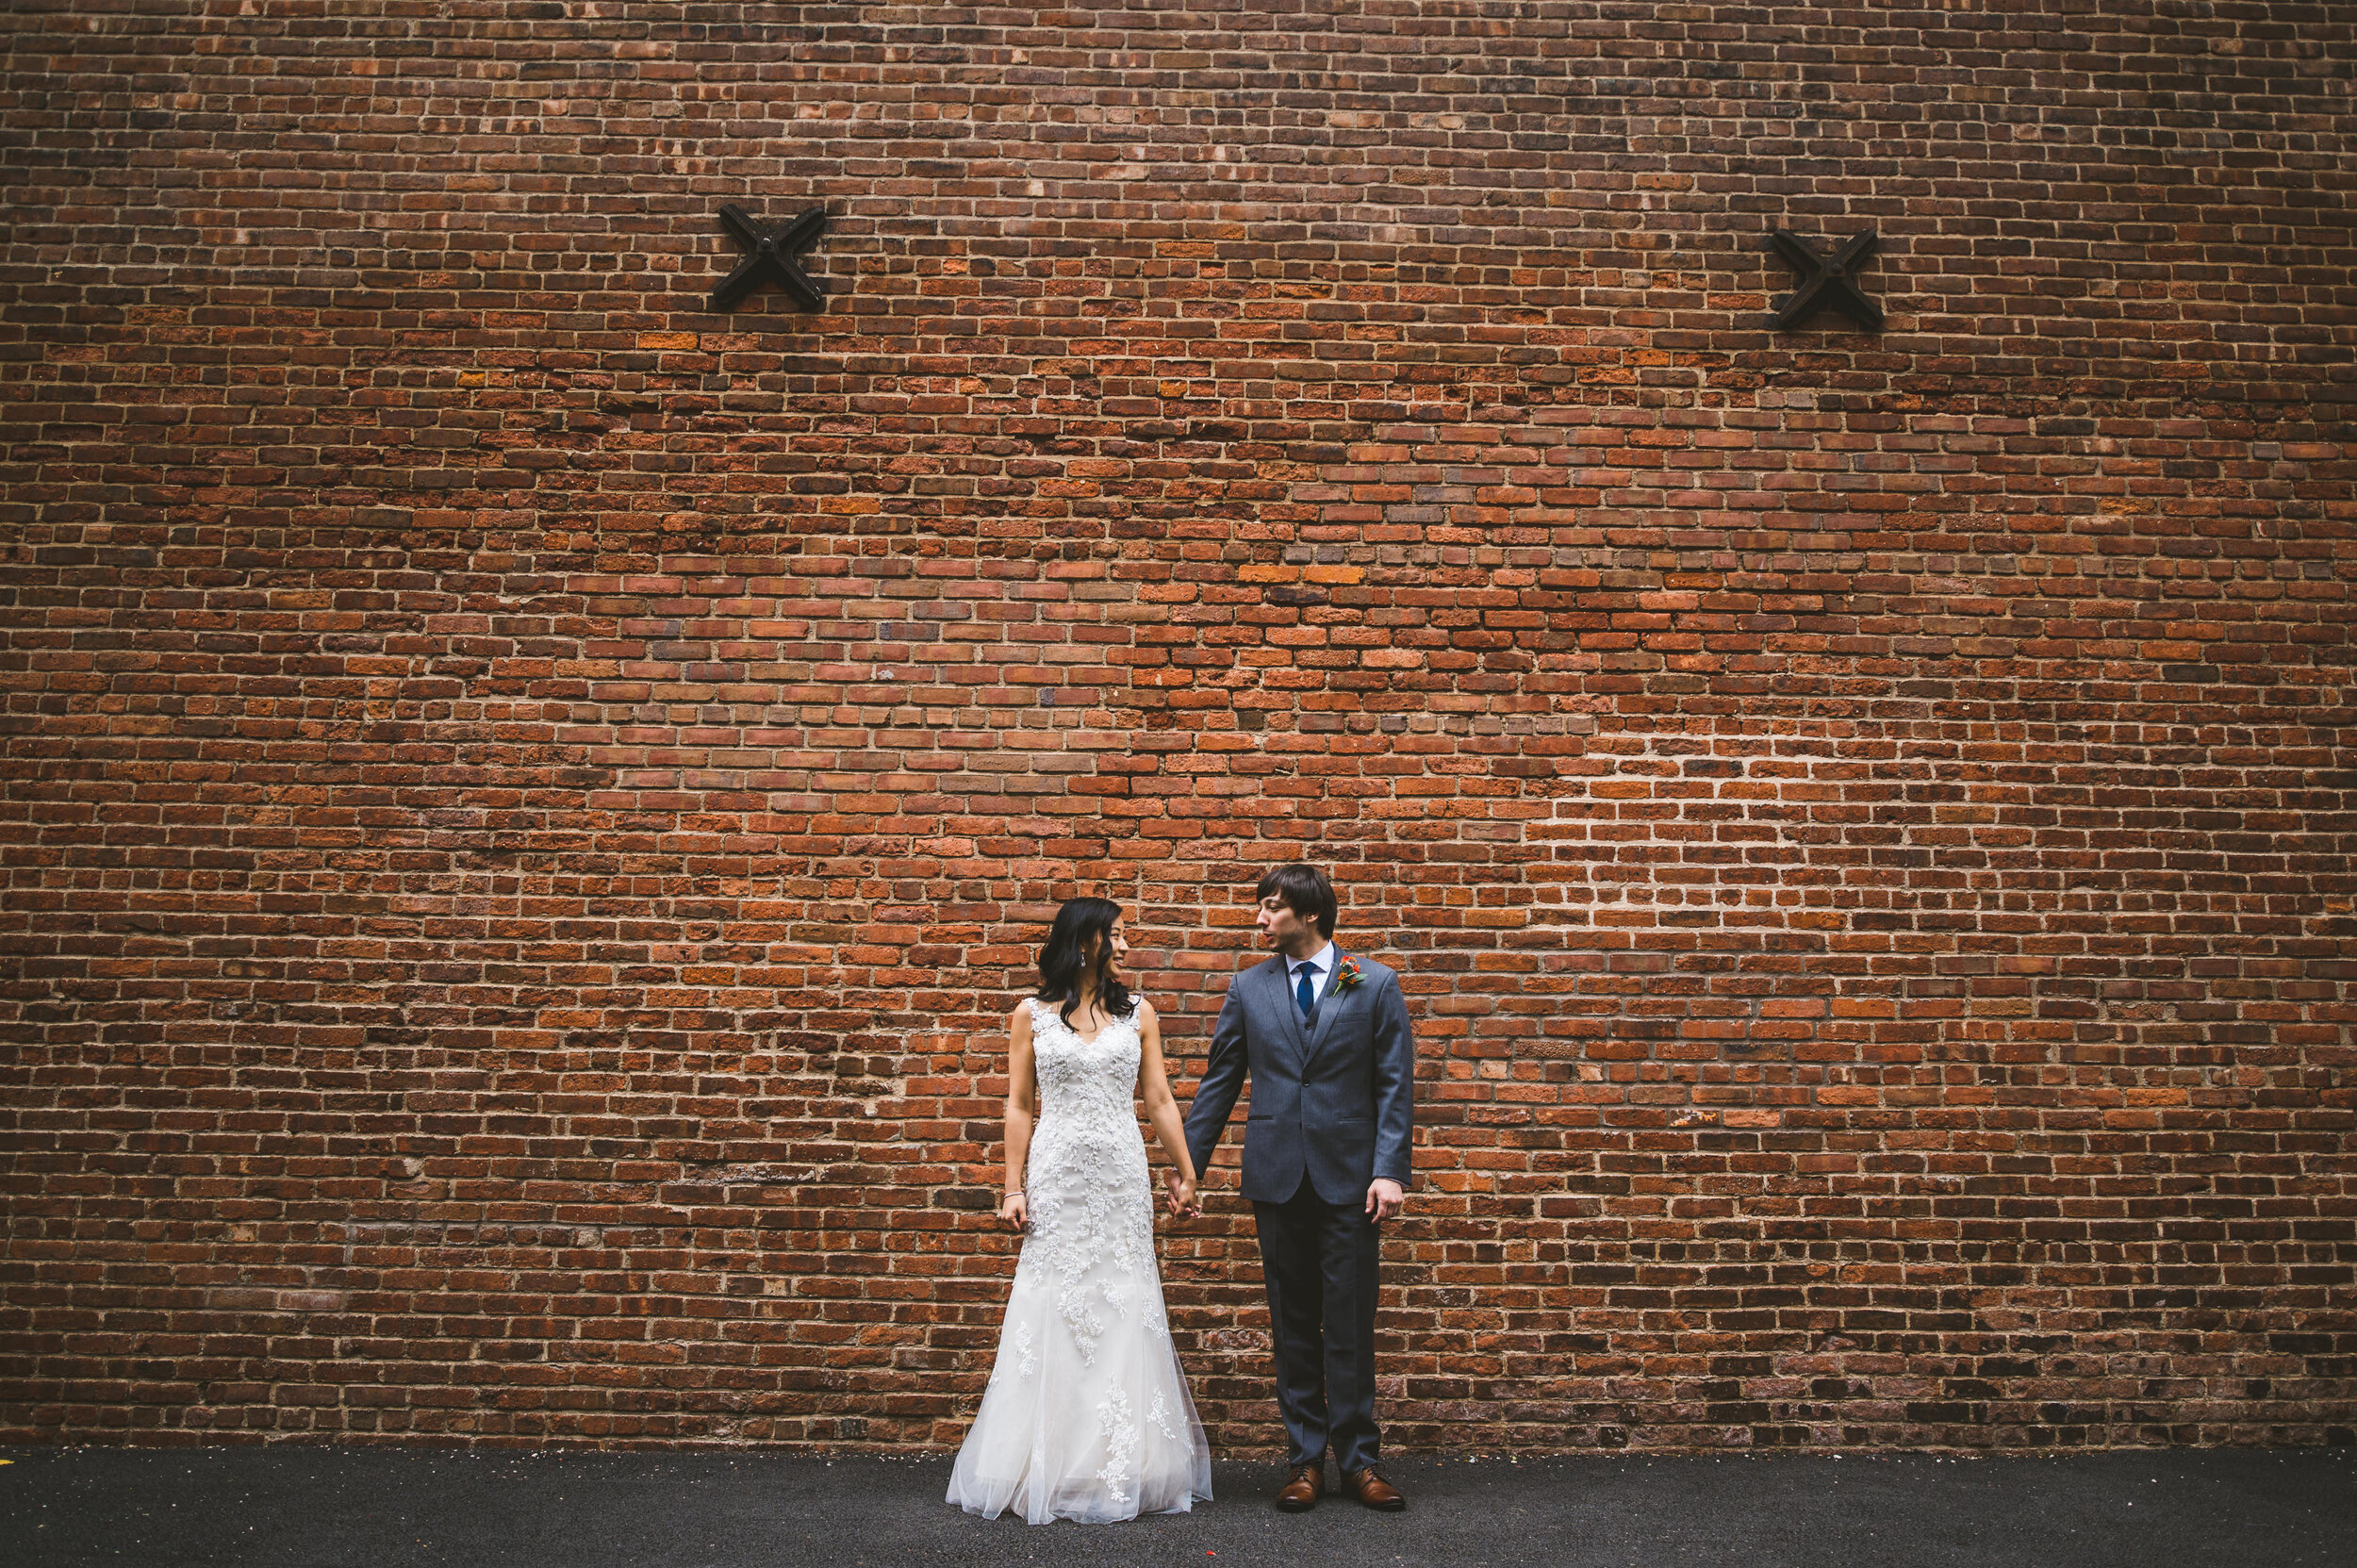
771, 257
1822, 280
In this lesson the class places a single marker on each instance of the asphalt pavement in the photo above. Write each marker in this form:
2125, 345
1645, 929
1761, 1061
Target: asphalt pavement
303, 1506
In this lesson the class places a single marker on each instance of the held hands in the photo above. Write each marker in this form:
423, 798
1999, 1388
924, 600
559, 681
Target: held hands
1015, 1211
1183, 1203
1384, 1198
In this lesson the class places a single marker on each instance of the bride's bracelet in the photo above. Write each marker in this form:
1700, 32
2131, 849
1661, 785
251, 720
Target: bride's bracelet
1018, 1193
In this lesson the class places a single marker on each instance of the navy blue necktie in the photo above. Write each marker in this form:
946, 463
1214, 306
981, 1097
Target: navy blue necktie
1305, 993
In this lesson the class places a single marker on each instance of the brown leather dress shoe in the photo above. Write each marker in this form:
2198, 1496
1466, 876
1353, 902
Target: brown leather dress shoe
1302, 1488
1373, 1491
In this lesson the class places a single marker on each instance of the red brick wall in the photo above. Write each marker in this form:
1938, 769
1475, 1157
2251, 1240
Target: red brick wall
524, 800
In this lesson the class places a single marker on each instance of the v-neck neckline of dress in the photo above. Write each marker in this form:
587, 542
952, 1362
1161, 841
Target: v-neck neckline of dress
1084, 1039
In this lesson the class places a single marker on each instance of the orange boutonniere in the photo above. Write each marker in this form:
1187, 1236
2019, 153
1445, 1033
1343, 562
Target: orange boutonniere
1347, 975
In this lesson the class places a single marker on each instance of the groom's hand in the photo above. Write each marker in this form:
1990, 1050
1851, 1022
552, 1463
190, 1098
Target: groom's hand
1182, 1201
1384, 1198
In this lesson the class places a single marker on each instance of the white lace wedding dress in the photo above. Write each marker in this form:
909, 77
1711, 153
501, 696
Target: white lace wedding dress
1086, 1415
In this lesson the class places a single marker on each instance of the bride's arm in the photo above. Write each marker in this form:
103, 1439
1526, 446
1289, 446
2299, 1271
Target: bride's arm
1161, 1110
1022, 1106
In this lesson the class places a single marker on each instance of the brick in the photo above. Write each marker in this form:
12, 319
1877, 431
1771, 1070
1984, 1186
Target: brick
522, 803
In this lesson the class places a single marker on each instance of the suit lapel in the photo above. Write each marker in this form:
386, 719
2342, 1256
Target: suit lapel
1329, 1004
1282, 999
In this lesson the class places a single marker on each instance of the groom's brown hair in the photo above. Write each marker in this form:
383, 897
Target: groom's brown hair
1302, 889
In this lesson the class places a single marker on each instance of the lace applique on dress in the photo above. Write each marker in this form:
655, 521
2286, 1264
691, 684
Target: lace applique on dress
1092, 1234
1026, 1364
1023, 1364
1121, 1446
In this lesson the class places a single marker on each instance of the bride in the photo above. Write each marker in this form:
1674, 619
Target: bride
1086, 1415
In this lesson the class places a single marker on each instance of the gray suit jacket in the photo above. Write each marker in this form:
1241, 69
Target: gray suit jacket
1333, 1100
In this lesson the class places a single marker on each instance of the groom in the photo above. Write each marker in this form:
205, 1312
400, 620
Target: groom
1327, 1043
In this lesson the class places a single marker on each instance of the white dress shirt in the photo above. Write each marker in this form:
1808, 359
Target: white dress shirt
1320, 969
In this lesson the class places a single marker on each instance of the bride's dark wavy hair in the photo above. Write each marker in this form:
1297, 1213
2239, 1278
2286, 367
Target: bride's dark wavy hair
1060, 962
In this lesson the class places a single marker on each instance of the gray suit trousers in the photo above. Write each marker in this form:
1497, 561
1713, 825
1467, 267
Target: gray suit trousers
1318, 1261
